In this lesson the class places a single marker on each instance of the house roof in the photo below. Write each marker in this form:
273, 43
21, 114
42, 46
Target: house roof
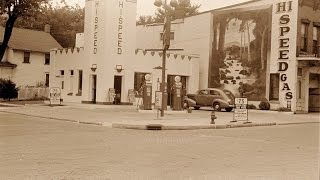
30, 40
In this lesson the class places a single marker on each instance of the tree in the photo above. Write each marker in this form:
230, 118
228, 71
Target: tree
65, 22
14, 9
183, 9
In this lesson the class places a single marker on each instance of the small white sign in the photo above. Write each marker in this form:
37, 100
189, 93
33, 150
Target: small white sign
241, 111
55, 96
158, 100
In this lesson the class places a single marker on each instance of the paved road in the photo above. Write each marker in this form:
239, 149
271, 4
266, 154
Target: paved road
35, 148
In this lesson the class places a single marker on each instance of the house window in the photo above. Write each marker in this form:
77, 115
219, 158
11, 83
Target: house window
80, 83
71, 72
47, 80
47, 59
315, 40
62, 72
304, 37
171, 36
274, 87
26, 57
139, 79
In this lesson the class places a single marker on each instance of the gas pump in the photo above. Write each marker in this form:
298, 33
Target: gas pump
147, 93
177, 94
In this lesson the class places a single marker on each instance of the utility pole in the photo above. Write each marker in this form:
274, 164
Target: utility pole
166, 44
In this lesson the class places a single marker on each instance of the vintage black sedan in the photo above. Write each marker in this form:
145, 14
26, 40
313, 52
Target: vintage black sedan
210, 97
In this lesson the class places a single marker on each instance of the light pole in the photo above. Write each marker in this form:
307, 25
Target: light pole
166, 42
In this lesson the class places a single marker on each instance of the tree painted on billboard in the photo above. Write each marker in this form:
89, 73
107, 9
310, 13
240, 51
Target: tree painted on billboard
240, 46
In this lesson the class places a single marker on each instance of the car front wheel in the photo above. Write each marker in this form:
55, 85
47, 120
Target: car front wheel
197, 108
216, 106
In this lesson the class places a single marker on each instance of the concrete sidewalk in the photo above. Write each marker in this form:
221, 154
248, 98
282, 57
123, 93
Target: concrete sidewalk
128, 117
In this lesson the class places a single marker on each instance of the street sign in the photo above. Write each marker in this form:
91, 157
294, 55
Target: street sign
55, 96
158, 100
241, 111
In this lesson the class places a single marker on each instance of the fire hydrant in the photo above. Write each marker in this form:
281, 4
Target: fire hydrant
213, 116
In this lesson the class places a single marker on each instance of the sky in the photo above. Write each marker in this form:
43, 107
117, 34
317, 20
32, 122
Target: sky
146, 7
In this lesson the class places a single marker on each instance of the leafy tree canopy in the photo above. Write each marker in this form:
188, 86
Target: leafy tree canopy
183, 9
12, 10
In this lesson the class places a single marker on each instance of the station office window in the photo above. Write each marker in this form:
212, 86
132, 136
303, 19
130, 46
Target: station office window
171, 36
62, 72
26, 57
274, 87
138, 80
47, 59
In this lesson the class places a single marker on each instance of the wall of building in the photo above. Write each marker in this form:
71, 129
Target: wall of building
67, 60
193, 34
28, 74
308, 12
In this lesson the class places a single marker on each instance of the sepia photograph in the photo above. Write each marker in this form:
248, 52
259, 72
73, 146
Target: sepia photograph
160, 89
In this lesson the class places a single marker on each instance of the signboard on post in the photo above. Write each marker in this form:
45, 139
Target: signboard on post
241, 110
55, 96
158, 100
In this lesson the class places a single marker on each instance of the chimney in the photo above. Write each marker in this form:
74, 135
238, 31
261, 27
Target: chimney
47, 28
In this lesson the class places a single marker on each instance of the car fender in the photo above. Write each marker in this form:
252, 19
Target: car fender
190, 101
222, 103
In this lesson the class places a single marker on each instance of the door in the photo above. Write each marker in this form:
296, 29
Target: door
202, 97
117, 87
314, 93
94, 88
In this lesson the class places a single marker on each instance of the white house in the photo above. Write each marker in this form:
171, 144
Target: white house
27, 58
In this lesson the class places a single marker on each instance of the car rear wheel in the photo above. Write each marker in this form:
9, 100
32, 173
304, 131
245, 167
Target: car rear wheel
197, 108
216, 106
229, 109
186, 105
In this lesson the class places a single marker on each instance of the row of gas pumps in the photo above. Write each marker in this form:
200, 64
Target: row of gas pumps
176, 96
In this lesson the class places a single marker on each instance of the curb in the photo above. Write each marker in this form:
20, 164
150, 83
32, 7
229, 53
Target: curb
57, 119
297, 123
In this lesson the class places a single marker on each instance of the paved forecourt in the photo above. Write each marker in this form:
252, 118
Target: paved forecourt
129, 117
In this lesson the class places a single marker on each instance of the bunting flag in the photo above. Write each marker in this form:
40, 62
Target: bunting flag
61, 50
66, 50
189, 57
78, 49
152, 53
137, 50
160, 54
168, 55
144, 52
175, 56
182, 57
72, 50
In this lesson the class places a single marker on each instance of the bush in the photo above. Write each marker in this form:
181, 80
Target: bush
226, 82
283, 109
264, 105
238, 77
251, 106
8, 89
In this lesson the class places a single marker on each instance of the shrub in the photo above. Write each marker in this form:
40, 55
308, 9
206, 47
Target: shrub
228, 71
238, 77
8, 89
223, 76
230, 78
226, 81
264, 105
251, 106
283, 109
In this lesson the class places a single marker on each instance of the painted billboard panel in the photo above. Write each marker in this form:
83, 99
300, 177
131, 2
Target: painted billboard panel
241, 44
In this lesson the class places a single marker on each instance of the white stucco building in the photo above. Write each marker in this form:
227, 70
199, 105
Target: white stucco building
109, 62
